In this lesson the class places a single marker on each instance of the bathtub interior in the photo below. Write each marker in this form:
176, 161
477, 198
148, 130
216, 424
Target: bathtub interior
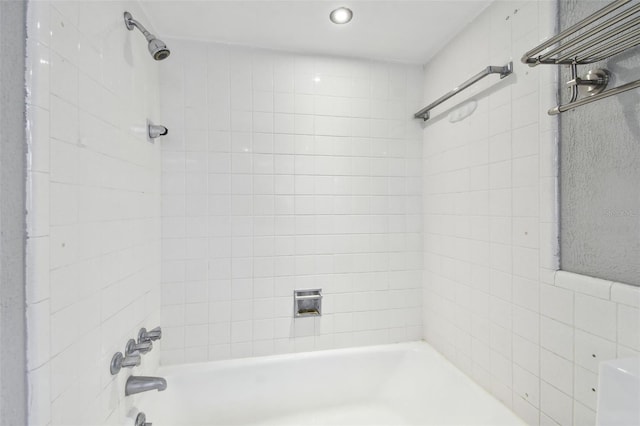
407, 384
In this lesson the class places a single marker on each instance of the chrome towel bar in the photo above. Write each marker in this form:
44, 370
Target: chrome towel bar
611, 92
492, 69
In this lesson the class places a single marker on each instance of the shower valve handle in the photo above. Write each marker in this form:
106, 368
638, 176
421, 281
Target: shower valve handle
135, 348
132, 360
119, 360
149, 336
141, 420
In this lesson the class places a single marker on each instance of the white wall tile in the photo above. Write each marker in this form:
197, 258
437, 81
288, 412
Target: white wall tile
579, 283
596, 316
556, 405
556, 371
557, 303
583, 415
272, 181
557, 337
629, 327
586, 387
490, 207
296, 194
94, 211
626, 294
590, 350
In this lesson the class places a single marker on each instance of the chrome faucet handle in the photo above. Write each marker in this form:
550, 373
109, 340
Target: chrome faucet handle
149, 336
141, 420
135, 348
118, 361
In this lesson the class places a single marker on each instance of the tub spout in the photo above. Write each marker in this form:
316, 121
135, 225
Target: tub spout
137, 384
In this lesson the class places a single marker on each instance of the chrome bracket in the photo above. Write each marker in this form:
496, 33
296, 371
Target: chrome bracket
506, 70
593, 82
127, 21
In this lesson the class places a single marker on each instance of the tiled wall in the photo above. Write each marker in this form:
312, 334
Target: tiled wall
93, 208
287, 171
493, 301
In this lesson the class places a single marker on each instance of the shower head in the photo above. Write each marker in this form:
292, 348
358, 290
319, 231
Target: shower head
157, 48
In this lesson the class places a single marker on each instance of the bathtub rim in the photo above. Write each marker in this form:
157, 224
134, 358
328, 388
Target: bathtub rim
204, 366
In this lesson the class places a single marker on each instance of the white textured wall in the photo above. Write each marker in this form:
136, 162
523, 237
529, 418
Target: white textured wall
286, 171
493, 301
13, 389
600, 157
93, 208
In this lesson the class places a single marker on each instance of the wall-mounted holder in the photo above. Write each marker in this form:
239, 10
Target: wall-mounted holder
307, 303
591, 84
155, 130
118, 361
601, 35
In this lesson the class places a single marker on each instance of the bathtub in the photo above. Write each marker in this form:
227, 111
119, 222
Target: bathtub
400, 384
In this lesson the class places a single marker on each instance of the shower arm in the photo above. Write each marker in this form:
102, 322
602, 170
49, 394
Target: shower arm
130, 22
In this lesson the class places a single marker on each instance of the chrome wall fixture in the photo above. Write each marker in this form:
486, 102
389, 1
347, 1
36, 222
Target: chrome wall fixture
603, 34
155, 130
492, 69
118, 361
133, 350
149, 336
307, 303
138, 384
141, 420
157, 48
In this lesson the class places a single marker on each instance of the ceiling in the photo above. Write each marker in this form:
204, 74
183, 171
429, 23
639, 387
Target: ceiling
396, 30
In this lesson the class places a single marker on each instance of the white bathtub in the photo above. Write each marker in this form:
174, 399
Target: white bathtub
401, 384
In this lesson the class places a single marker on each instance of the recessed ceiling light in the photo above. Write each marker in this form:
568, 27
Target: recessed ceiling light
341, 15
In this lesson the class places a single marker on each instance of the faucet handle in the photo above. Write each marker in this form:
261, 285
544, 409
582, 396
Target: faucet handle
141, 420
132, 360
118, 361
151, 335
134, 348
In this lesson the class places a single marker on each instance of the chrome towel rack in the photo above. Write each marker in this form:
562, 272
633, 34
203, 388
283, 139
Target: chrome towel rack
491, 69
603, 34
615, 91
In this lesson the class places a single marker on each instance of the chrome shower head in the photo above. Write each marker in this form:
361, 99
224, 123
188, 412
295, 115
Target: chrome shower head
157, 48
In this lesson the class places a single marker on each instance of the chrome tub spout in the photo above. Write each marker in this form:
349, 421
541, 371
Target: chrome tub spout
137, 384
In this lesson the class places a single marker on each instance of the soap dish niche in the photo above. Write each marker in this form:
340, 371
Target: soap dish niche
307, 303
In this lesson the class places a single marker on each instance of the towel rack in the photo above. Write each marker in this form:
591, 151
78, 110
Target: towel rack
603, 34
491, 69
620, 89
